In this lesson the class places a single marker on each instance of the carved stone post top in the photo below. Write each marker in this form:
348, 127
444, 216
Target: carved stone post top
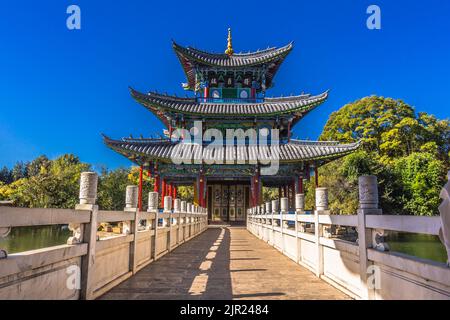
368, 192
152, 201
177, 205
88, 187
131, 197
275, 206
284, 204
300, 201
167, 203
268, 207
183, 206
321, 199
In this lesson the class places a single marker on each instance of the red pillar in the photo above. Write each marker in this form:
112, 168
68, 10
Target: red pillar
257, 188
156, 185
141, 169
174, 192
307, 172
163, 192
157, 181
201, 181
300, 184
279, 193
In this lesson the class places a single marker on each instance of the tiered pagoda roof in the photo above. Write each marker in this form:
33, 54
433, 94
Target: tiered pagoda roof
240, 80
161, 105
296, 150
191, 58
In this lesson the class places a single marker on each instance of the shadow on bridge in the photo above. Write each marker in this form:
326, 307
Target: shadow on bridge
198, 269
223, 263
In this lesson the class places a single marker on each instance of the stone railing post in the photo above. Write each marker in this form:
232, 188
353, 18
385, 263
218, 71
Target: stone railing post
321, 208
284, 205
189, 219
300, 203
87, 233
131, 227
298, 226
368, 205
167, 222
184, 219
299, 209
177, 218
275, 211
268, 211
284, 210
153, 203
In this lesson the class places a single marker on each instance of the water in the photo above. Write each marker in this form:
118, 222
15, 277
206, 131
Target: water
30, 238
418, 245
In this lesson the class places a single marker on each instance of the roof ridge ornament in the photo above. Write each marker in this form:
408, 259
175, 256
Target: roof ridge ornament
229, 50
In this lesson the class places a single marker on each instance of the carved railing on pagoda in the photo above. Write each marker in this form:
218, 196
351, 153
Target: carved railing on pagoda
92, 262
349, 251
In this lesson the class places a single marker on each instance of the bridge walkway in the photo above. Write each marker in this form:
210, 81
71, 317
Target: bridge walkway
224, 263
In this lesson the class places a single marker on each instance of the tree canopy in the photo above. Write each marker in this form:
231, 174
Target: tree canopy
408, 152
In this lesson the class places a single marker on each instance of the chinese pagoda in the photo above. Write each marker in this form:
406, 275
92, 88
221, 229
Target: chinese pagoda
229, 93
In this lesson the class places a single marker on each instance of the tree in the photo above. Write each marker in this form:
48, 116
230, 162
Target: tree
111, 188
421, 180
408, 153
37, 165
19, 171
55, 186
6, 175
389, 128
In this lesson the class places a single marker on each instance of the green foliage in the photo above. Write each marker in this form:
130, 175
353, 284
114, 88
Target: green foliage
269, 194
53, 185
111, 188
6, 176
389, 128
186, 193
421, 180
19, 171
408, 153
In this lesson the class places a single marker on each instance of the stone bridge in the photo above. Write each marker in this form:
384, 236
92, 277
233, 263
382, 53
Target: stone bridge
174, 254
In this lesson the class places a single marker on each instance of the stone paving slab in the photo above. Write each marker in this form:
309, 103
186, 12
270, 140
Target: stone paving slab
224, 263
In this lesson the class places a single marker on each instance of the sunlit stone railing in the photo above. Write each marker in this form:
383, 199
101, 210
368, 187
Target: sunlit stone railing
88, 266
365, 268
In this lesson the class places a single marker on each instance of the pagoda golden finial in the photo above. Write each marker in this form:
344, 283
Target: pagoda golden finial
229, 50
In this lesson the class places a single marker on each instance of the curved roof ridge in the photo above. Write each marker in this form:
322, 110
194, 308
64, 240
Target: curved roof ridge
290, 152
190, 106
157, 95
257, 53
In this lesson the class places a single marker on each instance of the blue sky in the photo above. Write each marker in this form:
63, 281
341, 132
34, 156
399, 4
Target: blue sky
60, 89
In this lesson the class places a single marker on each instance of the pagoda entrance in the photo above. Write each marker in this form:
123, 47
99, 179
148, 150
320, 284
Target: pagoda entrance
228, 201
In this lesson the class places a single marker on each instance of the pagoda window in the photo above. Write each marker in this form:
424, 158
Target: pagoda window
248, 78
229, 80
213, 80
